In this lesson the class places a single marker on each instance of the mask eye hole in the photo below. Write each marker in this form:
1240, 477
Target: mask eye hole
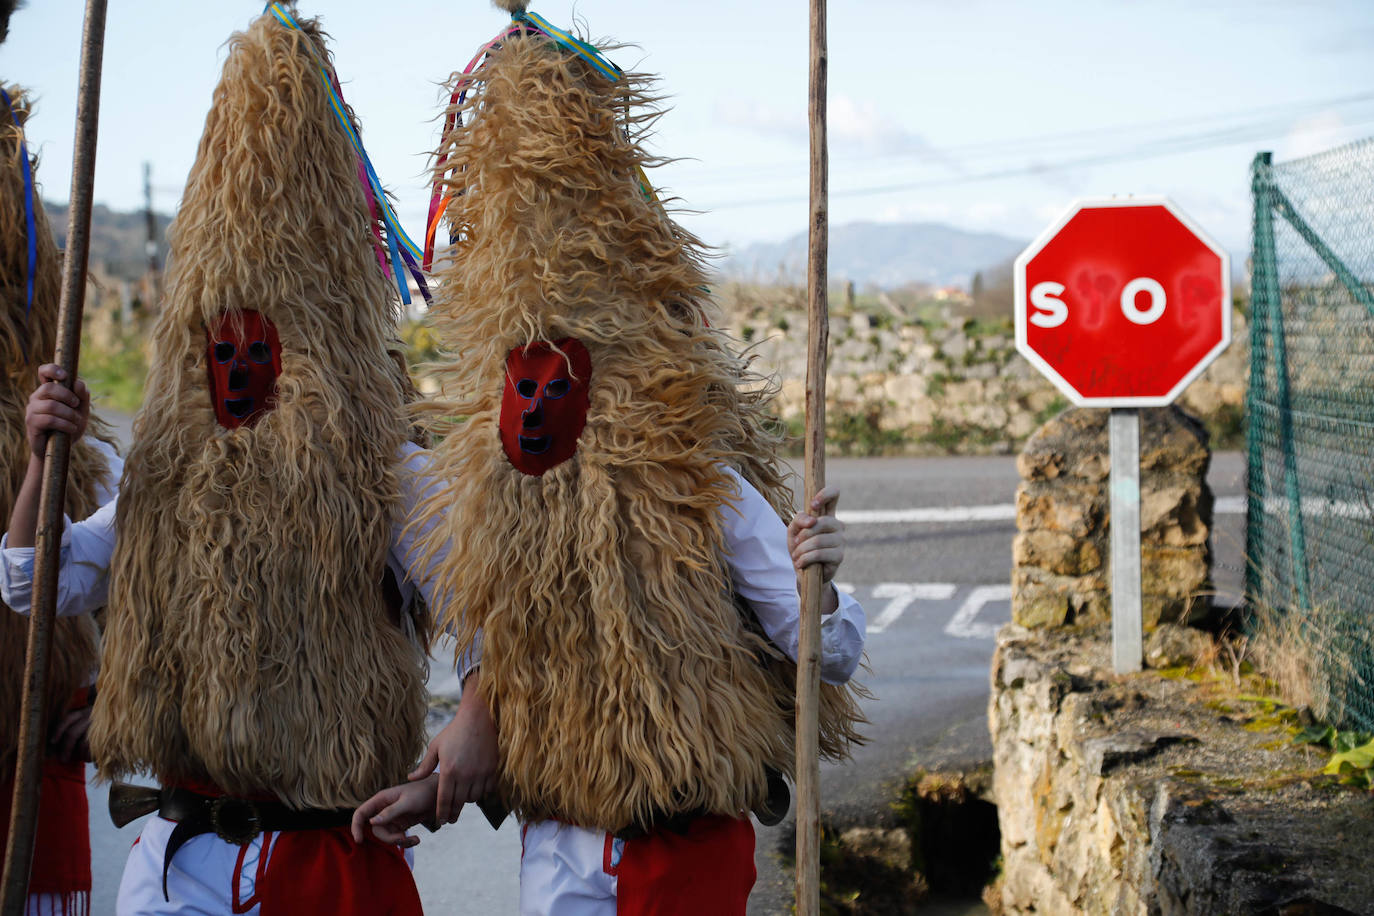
224, 351
556, 388
527, 388
259, 352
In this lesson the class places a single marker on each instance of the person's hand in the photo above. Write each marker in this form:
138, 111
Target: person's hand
68, 742
53, 407
818, 536
390, 813
466, 754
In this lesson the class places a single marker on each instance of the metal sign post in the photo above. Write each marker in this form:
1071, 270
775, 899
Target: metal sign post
1127, 624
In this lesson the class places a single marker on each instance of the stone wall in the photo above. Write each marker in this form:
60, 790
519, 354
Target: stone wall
1145, 794
1061, 555
899, 384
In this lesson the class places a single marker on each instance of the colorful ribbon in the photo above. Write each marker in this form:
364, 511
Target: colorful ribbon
30, 217
402, 251
523, 21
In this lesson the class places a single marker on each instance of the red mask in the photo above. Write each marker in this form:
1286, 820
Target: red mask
544, 406
243, 356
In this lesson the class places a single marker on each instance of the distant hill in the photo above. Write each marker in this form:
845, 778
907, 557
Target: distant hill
886, 255
118, 240
880, 254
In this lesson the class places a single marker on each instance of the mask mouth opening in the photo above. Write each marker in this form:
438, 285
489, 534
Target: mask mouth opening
535, 445
238, 407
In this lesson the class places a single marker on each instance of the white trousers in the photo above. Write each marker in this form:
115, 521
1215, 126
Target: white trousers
567, 870
207, 877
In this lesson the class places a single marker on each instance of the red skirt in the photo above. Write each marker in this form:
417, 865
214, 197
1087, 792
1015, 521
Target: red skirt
710, 869
62, 844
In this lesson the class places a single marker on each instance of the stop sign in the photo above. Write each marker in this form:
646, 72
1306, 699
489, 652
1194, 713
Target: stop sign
1122, 303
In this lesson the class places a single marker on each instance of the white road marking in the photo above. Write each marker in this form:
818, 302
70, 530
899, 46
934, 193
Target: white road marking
901, 595
928, 514
1224, 505
962, 625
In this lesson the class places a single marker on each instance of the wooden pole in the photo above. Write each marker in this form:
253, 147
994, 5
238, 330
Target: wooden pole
33, 722
809, 639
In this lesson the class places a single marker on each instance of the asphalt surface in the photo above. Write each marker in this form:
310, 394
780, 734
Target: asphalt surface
934, 591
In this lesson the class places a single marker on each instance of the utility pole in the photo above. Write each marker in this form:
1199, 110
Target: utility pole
152, 282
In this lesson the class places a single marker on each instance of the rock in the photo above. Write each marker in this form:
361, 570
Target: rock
1103, 755
965, 392
955, 346
1072, 508
890, 847
1172, 645
1124, 795
1057, 552
1039, 464
1174, 572
1020, 425
1170, 515
1039, 606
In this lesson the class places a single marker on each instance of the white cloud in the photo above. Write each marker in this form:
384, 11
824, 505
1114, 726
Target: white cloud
1312, 135
762, 118
862, 126
853, 126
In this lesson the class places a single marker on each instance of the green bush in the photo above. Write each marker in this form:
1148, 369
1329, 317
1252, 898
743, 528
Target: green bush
115, 373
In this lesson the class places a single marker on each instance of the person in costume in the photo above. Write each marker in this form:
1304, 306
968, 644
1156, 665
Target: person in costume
608, 512
264, 647
30, 267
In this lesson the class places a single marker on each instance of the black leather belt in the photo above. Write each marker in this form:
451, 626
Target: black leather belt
770, 811
235, 820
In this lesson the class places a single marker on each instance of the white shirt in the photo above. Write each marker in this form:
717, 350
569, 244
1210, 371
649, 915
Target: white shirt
755, 547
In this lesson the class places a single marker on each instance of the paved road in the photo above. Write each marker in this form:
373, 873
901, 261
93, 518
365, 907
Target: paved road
934, 584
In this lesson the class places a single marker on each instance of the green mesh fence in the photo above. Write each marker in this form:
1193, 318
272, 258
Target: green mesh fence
1310, 513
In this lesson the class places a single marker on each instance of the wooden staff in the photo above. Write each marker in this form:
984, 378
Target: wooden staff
33, 724
809, 639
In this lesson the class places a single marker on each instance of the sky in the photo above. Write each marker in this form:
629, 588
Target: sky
987, 115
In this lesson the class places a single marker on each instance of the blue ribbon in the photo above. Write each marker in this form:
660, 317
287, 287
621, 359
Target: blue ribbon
401, 249
30, 219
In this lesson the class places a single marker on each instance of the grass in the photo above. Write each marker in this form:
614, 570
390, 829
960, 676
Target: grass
115, 373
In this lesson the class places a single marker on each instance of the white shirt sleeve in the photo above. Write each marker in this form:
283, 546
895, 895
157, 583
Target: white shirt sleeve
762, 574
106, 490
412, 575
83, 582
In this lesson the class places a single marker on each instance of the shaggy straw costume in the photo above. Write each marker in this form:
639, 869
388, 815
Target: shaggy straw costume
249, 642
27, 339
626, 682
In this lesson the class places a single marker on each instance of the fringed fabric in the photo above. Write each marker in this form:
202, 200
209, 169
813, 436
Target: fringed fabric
249, 643
28, 336
625, 681
74, 904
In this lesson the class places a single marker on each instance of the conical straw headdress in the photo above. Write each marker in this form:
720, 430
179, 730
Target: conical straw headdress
28, 334
627, 682
250, 645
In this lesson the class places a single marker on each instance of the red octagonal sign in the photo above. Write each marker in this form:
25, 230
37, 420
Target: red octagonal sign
1122, 303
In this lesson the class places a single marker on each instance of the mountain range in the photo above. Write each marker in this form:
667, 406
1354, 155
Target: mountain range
885, 255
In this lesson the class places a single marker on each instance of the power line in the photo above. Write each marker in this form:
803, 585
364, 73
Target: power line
1054, 143
1170, 146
